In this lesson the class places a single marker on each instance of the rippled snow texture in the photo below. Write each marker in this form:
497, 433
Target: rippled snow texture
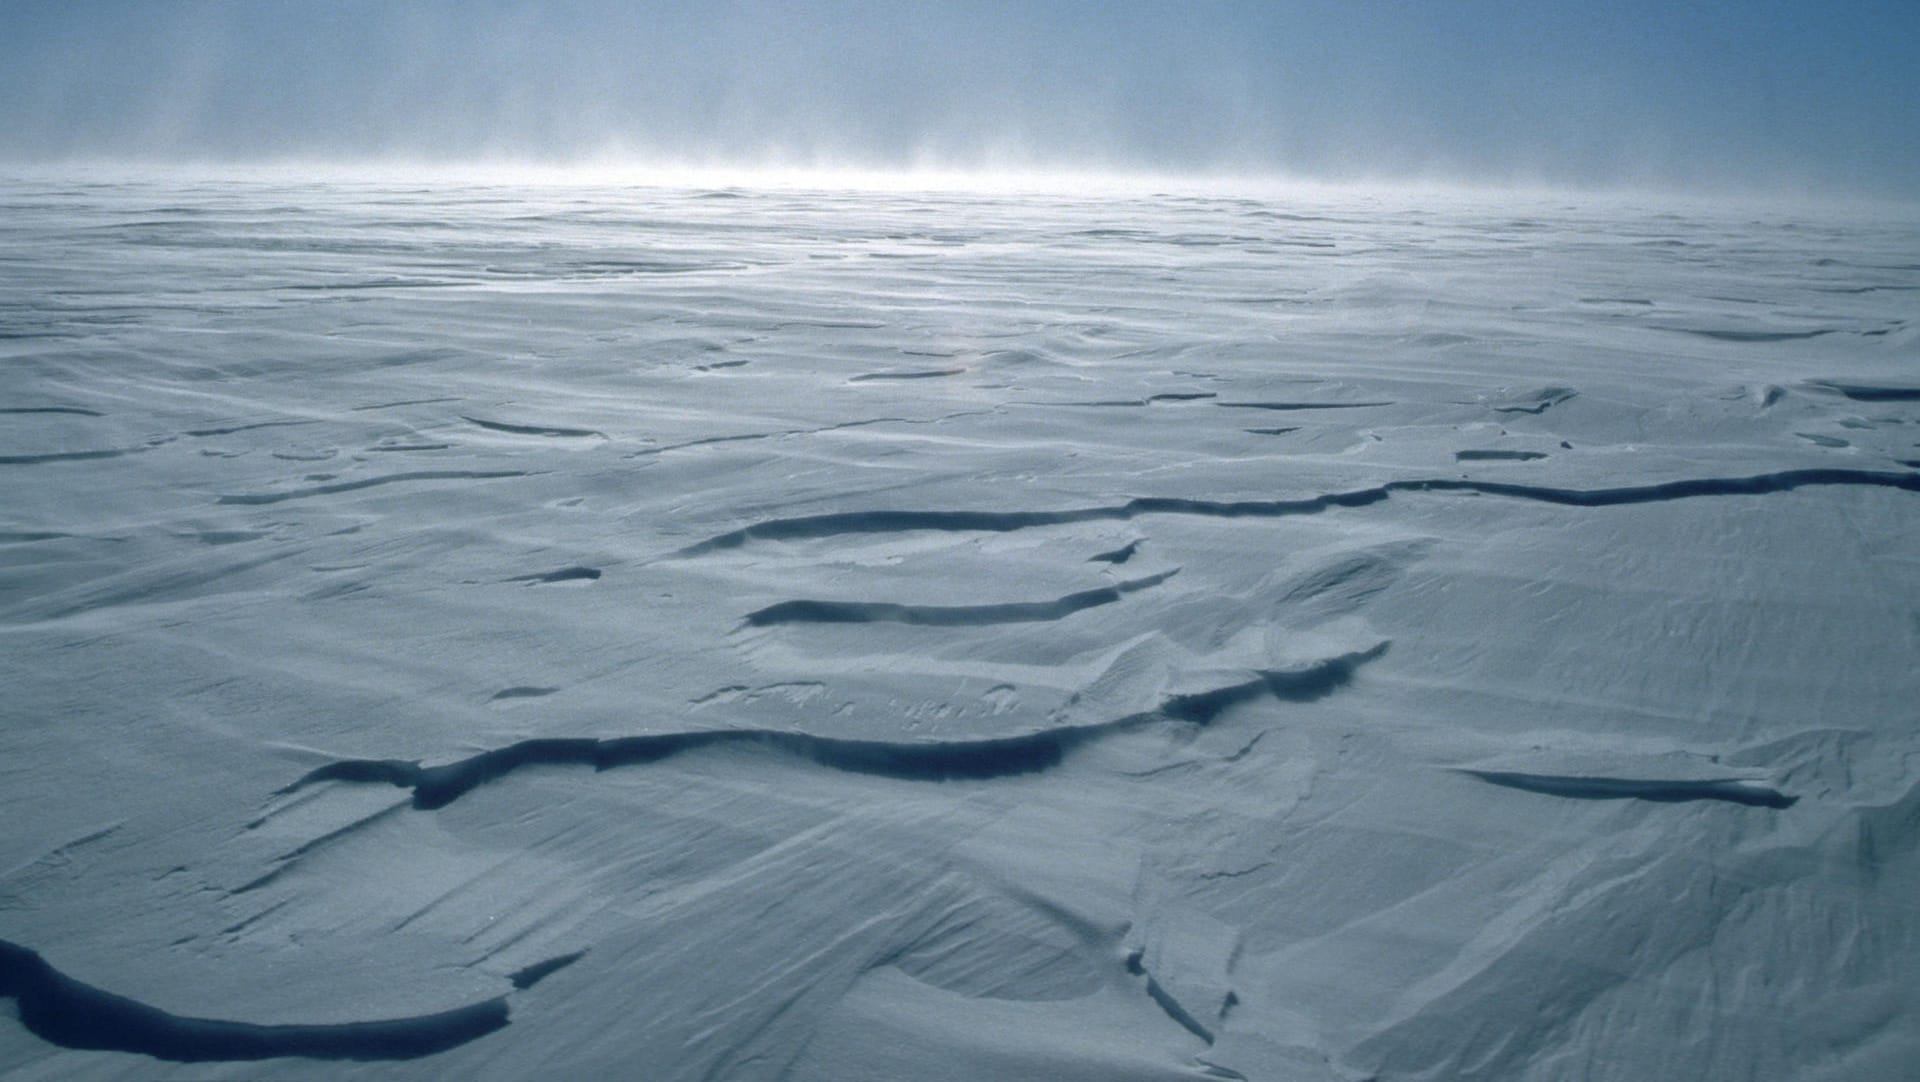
484, 632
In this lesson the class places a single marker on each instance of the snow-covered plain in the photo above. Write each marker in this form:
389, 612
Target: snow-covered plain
490, 632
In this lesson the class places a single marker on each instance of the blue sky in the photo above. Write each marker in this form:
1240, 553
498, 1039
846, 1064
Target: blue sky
1765, 94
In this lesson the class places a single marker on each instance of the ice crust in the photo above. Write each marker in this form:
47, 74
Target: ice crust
497, 633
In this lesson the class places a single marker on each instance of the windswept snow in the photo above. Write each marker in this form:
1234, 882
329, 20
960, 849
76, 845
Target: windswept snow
602, 632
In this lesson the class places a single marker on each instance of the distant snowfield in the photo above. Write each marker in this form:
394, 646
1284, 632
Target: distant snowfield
491, 632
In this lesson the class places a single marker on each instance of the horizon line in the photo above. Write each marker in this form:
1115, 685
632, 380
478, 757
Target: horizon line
620, 171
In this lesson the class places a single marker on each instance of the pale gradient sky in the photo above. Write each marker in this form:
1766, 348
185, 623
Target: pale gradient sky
1782, 95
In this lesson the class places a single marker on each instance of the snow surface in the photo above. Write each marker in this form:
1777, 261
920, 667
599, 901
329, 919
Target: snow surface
488, 632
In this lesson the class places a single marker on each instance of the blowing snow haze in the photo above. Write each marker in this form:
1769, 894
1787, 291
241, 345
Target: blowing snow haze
1771, 96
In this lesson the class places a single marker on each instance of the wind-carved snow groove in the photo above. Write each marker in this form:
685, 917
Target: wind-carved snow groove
529, 976
522, 691
1536, 402
1013, 612
1126, 403
1667, 791
65, 456
1752, 337
813, 527
76, 456
63, 1011
1498, 456
1868, 392
368, 482
232, 429
928, 761
926, 373
405, 402
1287, 685
78, 411
1292, 407
745, 437
22, 537
535, 430
810, 527
565, 574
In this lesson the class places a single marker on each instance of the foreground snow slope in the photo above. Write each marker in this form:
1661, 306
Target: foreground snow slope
479, 632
